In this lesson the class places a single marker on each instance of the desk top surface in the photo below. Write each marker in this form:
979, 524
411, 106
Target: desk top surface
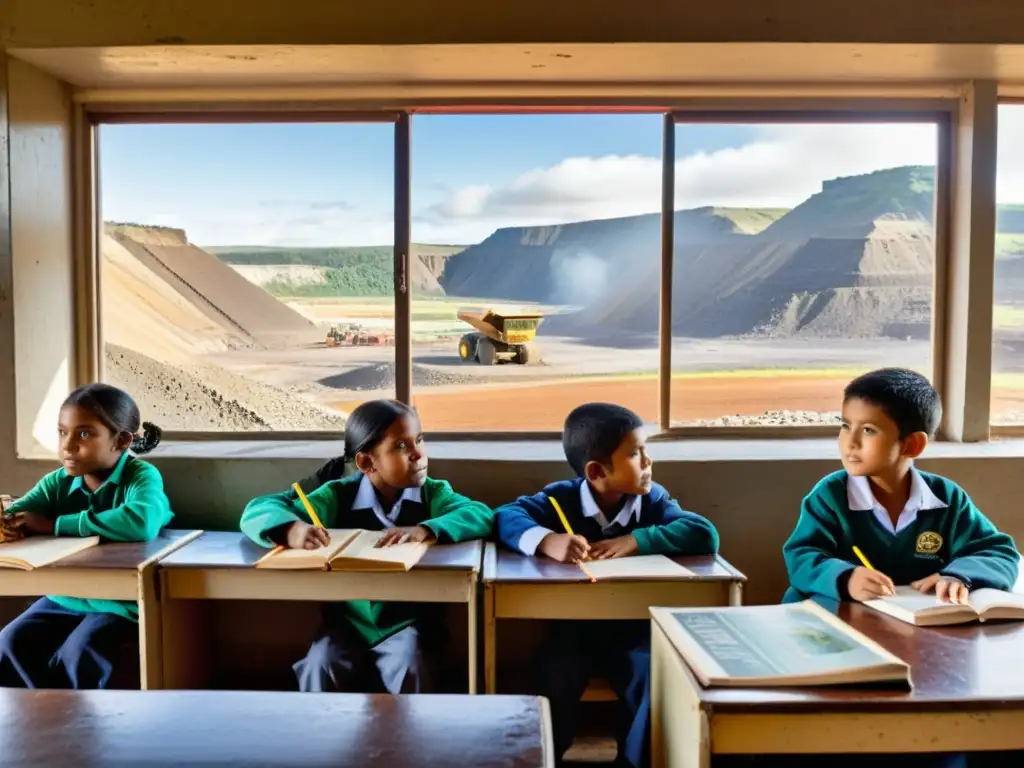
971, 666
221, 728
502, 565
226, 549
122, 555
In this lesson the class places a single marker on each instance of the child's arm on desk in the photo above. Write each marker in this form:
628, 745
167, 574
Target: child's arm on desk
454, 517
812, 551
524, 523
981, 555
672, 530
270, 520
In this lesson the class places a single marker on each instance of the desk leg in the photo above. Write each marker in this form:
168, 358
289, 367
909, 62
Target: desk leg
736, 593
151, 661
680, 733
472, 638
490, 641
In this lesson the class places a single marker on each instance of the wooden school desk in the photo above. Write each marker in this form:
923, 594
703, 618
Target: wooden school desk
220, 566
968, 695
109, 571
519, 587
126, 729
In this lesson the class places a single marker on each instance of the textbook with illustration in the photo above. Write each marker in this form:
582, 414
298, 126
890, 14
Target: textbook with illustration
911, 606
36, 551
797, 644
349, 550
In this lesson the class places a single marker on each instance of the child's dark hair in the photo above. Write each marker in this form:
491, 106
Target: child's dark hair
908, 398
118, 412
593, 432
364, 431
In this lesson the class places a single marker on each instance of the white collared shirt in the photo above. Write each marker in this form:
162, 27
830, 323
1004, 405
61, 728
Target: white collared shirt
532, 537
366, 498
860, 498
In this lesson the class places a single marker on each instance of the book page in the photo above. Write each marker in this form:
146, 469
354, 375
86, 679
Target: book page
37, 551
639, 567
910, 600
364, 548
308, 558
990, 599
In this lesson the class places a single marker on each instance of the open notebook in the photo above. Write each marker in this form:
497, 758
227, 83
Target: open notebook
767, 646
349, 550
911, 606
36, 551
638, 567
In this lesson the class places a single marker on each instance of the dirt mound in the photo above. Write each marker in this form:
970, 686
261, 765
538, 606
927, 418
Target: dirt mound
206, 397
382, 376
213, 287
579, 262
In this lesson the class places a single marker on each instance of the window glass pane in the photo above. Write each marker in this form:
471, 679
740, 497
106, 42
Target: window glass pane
803, 256
229, 252
1008, 316
549, 219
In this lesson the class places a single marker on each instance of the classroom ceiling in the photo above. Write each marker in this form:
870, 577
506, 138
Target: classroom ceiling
637, 64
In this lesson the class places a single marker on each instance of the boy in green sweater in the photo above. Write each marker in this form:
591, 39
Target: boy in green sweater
913, 527
364, 645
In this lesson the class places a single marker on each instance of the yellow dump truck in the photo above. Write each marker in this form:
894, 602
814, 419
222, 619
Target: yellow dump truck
499, 338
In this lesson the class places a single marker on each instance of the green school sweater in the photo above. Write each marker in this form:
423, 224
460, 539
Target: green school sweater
450, 516
957, 541
129, 506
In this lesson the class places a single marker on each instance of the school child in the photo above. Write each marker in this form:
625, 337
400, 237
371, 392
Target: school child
912, 527
915, 528
372, 646
101, 490
614, 509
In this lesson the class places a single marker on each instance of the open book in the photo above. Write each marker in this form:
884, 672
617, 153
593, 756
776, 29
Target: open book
911, 606
349, 550
799, 644
638, 567
36, 551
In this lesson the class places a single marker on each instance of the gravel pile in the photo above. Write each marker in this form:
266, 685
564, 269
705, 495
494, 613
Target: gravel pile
773, 419
382, 376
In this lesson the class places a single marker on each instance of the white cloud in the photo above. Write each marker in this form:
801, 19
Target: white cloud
783, 166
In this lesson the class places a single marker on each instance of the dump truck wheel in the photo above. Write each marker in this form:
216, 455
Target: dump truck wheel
485, 352
526, 353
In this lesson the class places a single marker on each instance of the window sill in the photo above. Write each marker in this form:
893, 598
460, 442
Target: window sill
816, 449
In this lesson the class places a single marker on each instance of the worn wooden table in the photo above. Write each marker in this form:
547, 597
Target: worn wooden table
518, 587
220, 566
109, 571
257, 729
968, 695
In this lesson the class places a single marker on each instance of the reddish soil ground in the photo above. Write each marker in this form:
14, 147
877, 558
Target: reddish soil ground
544, 406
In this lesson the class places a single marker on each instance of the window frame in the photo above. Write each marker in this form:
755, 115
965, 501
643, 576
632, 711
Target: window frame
939, 110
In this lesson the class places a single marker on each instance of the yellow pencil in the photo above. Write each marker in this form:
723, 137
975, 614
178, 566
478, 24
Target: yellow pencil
568, 529
860, 556
308, 506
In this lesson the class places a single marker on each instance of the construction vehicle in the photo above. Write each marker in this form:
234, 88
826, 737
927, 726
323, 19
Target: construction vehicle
353, 335
499, 338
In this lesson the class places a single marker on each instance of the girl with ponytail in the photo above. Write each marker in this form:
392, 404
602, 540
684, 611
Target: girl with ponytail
101, 490
366, 645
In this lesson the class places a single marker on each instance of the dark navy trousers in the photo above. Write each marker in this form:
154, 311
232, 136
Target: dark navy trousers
618, 651
49, 646
340, 659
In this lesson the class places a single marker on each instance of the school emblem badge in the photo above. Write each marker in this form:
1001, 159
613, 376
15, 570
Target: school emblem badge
928, 543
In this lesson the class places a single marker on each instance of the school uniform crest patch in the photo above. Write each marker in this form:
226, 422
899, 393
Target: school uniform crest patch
928, 543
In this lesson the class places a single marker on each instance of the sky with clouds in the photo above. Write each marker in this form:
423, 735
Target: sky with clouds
331, 185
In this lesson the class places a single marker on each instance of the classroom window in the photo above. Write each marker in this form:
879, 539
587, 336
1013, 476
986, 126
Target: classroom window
803, 256
1008, 311
246, 270
551, 223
